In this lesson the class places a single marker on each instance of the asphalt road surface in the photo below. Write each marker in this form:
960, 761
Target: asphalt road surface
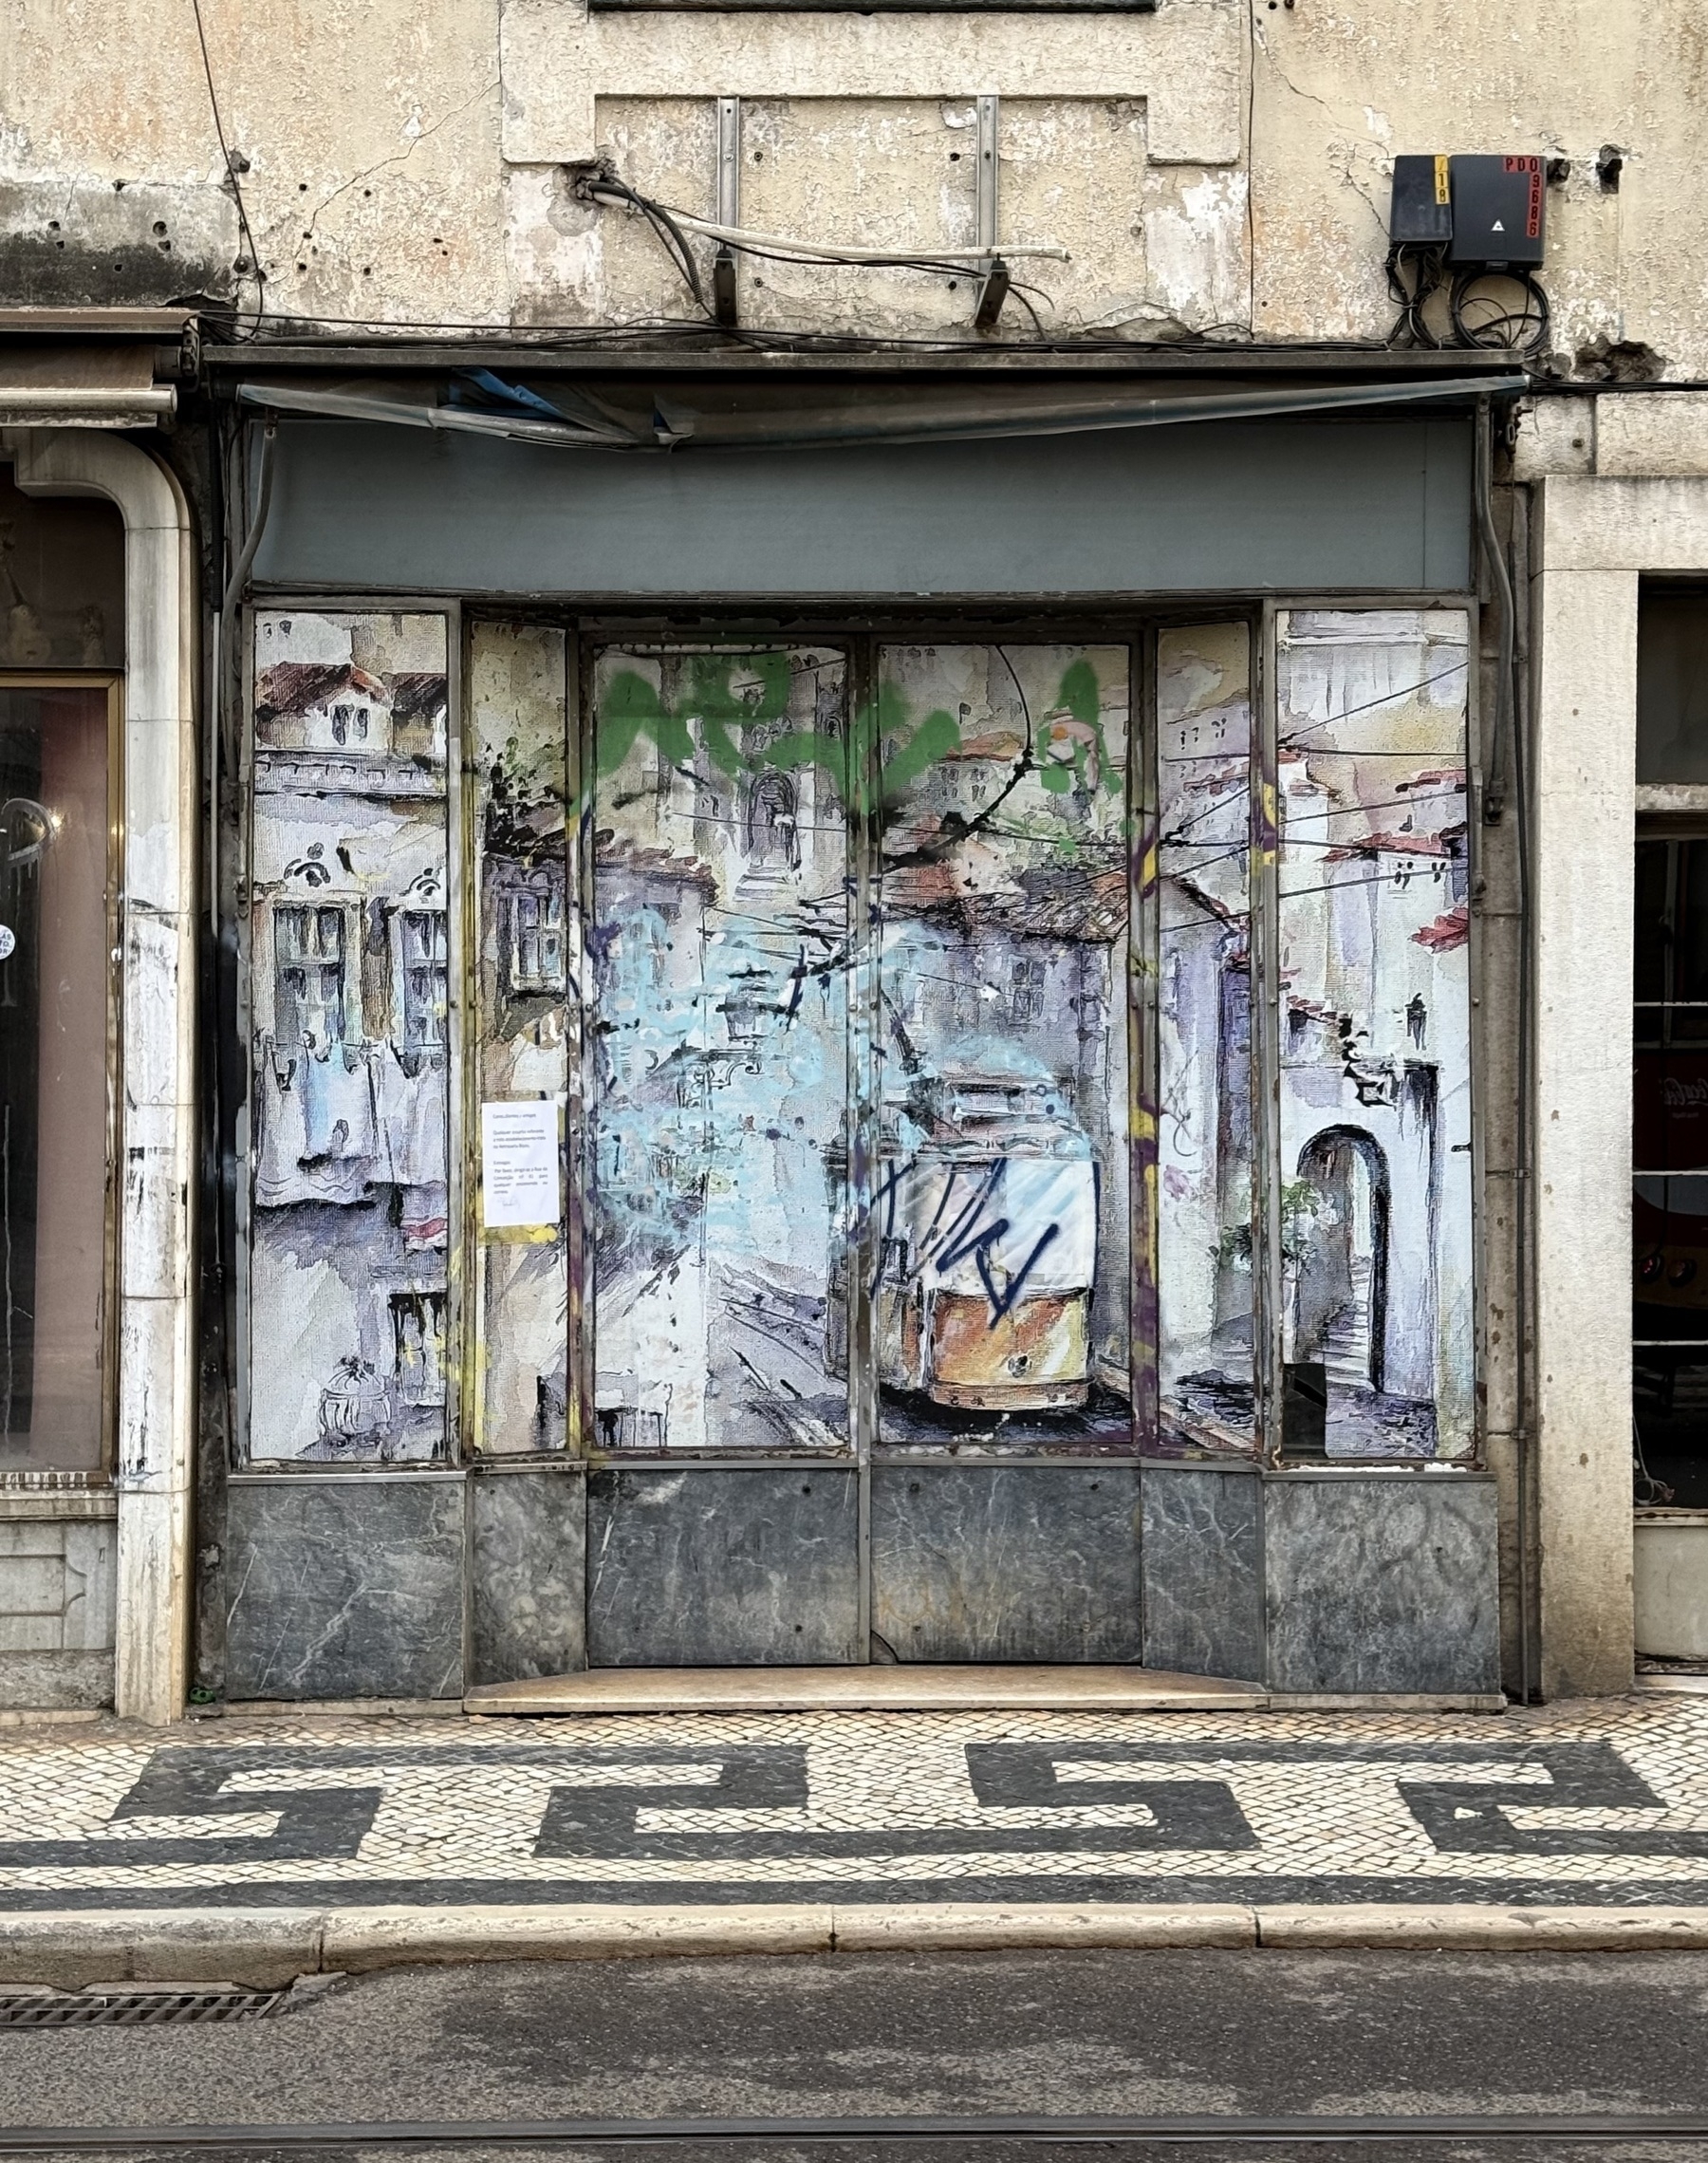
1243, 2038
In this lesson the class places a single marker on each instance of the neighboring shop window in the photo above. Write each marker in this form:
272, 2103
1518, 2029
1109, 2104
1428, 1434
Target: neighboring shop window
1669, 1187
350, 1101
56, 975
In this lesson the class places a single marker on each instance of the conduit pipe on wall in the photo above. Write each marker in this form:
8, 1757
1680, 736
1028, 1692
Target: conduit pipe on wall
1494, 777
967, 418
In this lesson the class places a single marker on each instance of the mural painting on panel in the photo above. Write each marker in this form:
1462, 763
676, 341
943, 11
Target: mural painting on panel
1000, 1314
719, 958
349, 966
1375, 1123
1204, 1038
517, 725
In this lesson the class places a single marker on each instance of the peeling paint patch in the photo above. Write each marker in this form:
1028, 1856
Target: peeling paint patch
115, 245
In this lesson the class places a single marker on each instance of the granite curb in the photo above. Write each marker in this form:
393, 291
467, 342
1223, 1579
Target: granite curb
270, 1948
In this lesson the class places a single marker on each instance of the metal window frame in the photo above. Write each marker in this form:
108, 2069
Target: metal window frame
457, 1363
112, 682
859, 632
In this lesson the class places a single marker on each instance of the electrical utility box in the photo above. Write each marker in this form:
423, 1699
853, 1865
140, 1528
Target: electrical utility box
1498, 211
1420, 207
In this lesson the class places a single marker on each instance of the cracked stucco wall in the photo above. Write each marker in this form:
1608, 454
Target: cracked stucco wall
407, 163
1341, 86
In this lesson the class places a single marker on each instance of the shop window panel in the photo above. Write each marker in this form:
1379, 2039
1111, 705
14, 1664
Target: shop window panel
524, 1025
719, 954
54, 973
349, 1108
1669, 1326
1203, 1187
1375, 1131
1672, 685
1001, 1307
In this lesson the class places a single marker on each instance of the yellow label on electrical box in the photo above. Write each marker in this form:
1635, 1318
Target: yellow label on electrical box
1441, 195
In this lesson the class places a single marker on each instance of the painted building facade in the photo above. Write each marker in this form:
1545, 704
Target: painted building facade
801, 875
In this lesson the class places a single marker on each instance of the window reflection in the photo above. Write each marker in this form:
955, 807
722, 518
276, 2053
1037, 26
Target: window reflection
54, 1074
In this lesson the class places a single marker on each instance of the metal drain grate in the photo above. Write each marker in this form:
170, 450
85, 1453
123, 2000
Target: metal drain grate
126, 2008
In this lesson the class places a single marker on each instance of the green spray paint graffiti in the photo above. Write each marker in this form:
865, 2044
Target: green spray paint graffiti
872, 766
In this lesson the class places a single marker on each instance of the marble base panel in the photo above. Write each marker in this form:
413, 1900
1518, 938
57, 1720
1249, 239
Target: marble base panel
1387, 1583
744, 1566
1202, 1553
344, 1588
529, 1590
1006, 1563
56, 1681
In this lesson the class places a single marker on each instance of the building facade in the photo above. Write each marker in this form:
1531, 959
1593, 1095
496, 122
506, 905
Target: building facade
839, 838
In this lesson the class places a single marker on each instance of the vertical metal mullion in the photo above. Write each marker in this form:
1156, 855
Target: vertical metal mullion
865, 1136
578, 902
243, 1114
1264, 903
1141, 974
459, 1041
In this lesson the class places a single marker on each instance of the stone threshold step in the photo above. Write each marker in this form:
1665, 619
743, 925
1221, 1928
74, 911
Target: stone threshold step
901, 1689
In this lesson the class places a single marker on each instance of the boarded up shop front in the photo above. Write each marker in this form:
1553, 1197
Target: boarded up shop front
860, 1055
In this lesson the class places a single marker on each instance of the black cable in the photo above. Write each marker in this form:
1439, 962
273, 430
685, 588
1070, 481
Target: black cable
1416, 272
675, 245
230, 167
1520, 330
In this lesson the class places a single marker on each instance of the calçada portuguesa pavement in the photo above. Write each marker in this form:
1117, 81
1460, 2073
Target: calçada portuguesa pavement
254, 1848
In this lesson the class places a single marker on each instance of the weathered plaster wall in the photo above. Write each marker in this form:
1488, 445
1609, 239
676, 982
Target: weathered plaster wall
407, 163
370, 131
1341, 86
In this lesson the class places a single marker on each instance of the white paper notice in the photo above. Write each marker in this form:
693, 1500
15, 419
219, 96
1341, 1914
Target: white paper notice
519, 1164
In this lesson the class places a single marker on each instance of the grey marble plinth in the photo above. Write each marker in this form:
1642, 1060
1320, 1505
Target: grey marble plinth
1006, 1563
528, 1594
344, 1587
1388, 1583
1202, 1550
714, 1567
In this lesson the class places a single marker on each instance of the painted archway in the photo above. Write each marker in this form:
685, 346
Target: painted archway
1341, 1274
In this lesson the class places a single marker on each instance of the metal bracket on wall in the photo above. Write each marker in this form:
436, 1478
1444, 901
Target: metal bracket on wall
724, 303
994, 287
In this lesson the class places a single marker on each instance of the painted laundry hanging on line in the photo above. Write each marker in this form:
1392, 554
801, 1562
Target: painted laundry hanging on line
351, 1096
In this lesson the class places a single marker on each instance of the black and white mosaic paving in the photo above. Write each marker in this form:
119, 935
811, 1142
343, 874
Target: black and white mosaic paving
1595, 1804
